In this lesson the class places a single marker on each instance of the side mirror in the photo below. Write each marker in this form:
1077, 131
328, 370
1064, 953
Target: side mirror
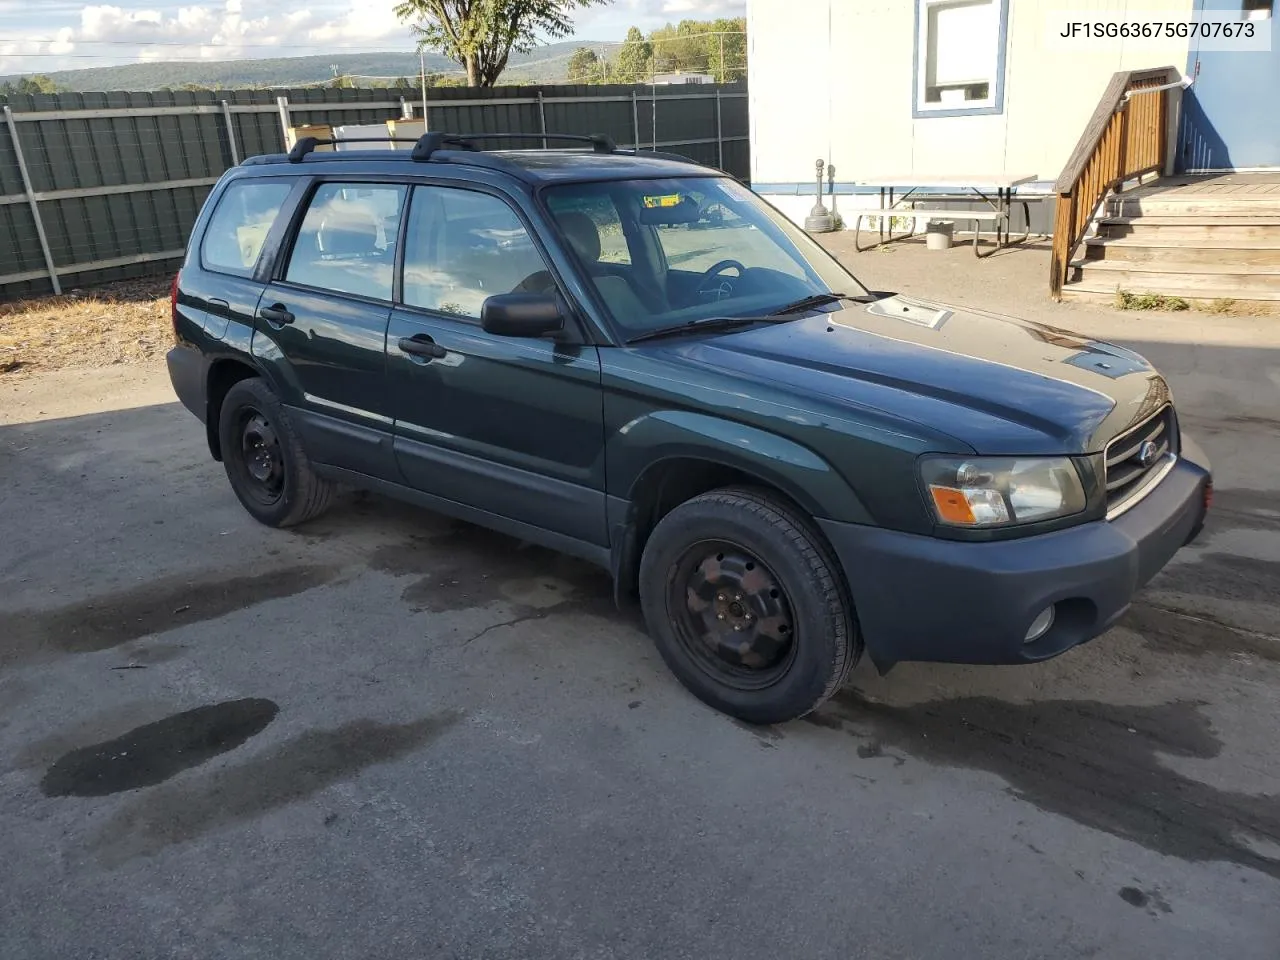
521, 314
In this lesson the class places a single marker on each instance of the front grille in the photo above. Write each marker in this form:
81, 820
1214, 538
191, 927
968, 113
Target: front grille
1127, 467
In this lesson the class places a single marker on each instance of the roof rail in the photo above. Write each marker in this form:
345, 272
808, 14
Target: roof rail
428, 144
432, 142
661, 155
308, 145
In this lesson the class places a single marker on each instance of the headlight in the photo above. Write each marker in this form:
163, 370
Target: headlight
1000, 491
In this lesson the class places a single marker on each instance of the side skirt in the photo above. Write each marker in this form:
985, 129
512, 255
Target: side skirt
592, 553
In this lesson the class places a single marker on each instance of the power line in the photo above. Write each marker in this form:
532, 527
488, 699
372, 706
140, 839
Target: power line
304, 46
326, 48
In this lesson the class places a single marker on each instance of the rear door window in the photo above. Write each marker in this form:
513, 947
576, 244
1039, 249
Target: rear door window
239, 226
347, 240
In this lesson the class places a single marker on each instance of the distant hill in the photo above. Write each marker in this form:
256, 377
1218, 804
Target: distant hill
548, 64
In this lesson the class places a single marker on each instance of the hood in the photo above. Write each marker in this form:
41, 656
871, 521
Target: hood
998, 384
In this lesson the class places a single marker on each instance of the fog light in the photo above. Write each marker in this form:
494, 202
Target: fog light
1040, 625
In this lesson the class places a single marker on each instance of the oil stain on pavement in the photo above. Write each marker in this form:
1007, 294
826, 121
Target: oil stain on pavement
154, 752
466, 567
291, 771
166, 603
1095, 763
1225, 576
1195, 634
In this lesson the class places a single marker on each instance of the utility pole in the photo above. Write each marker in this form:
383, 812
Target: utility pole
724, 76
422, 63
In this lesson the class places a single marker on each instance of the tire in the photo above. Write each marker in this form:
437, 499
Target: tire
788, 591
265, 462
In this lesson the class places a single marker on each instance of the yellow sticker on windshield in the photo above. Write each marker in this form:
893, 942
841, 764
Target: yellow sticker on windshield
670, 200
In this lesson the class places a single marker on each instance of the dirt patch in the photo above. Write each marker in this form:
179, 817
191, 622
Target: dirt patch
125, 322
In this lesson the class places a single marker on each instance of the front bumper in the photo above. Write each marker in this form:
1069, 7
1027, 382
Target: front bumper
921, 598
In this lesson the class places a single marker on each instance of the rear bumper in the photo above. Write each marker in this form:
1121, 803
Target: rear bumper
920, 598
188, 372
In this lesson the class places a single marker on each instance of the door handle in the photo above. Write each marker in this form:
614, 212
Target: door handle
420, 345
277, 315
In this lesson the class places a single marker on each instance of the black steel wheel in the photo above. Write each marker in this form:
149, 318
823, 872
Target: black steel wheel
748, 606
732, 614
265, 462
262, 457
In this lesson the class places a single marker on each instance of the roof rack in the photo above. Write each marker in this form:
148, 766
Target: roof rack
426, 145
308, 145
432, 142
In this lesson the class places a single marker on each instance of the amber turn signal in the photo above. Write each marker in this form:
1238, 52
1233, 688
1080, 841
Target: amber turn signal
953, 506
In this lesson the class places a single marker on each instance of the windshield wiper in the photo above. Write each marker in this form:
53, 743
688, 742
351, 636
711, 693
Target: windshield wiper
816, 300
781, 315
701, 326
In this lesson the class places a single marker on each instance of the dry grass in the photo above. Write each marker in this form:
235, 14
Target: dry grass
1149, 301
1225, 306
121, 323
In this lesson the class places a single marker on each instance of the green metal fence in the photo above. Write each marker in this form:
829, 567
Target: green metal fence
97, 187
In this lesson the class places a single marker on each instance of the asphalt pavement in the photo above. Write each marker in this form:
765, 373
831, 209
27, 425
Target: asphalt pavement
390, 735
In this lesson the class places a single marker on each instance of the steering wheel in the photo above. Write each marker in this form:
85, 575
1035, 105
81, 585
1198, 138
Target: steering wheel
714, 271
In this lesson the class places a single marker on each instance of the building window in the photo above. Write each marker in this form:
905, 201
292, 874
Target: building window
1258, 9
960, 56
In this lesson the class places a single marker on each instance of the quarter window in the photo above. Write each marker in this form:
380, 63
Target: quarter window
462, 247
240, 224
347, 239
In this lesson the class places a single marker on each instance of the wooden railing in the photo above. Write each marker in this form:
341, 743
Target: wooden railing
1126, 138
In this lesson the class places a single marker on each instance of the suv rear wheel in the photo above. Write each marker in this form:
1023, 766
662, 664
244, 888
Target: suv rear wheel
747, 606
268, 469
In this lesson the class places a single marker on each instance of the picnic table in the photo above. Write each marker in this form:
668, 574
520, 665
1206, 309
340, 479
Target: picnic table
996, 190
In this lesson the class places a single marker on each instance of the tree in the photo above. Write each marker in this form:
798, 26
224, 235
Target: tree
38, 83
583, 65
680, 49
727, 48
445, 80
632, 63
480, 34
717, 47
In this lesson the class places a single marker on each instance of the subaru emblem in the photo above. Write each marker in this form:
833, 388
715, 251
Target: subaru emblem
1147, 453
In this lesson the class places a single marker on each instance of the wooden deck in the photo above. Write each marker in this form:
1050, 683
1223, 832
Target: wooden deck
1242, 186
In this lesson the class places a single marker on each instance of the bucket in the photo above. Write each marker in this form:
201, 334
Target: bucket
938, 236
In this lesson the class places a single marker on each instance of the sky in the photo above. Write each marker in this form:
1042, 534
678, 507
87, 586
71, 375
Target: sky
40, 36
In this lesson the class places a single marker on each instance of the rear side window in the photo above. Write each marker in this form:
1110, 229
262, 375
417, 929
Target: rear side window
462, 247
347, 240
240, 224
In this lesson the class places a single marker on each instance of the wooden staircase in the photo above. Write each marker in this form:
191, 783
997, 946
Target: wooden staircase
1200, 238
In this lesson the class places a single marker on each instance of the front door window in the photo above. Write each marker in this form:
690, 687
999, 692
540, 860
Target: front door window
463, 247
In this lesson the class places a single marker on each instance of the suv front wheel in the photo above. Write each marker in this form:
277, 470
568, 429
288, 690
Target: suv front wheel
747, 607
268, 469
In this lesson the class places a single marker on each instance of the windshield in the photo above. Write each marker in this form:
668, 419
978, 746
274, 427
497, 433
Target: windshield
675, 251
